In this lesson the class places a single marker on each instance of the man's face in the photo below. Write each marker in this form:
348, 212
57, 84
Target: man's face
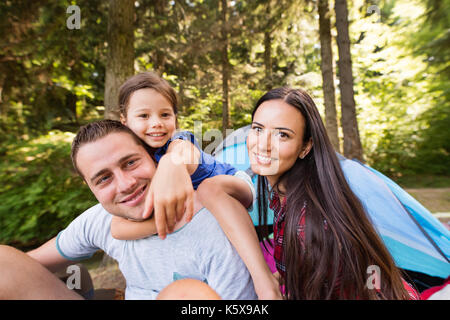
118, 172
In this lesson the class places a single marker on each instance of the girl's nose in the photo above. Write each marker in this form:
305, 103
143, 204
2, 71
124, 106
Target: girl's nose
155, 122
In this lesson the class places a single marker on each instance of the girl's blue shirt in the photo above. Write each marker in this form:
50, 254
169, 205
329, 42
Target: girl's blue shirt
208, 166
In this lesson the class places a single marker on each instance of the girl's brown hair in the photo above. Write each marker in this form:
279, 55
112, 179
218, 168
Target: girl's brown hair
145, 80
336, 258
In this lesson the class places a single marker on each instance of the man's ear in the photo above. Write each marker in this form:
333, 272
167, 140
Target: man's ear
123, 119
306, 149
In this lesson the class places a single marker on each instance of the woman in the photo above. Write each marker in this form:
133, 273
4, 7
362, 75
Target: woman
324, 242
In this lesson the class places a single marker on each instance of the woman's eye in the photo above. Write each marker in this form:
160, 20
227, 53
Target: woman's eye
257, 129
283, 135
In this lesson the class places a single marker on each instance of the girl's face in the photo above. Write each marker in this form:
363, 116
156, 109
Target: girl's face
275, 140
150, 115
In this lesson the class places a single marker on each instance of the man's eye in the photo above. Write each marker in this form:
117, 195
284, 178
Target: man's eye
102, 180
131, 162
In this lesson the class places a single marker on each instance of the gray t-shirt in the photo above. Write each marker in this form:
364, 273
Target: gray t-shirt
199, 250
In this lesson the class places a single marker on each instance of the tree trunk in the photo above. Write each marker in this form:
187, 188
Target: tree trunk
326, 53
352, 143
268, 59
268, 52
120, 56
159, 54
225, 69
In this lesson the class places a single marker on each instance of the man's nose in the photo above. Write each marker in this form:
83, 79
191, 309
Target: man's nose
125, 182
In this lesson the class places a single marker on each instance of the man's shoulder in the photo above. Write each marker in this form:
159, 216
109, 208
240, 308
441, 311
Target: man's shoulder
94, 217
96, 211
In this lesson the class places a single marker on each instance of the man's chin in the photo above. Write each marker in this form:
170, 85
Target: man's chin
133, 214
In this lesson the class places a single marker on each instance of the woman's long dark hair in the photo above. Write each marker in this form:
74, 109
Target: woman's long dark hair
340, 241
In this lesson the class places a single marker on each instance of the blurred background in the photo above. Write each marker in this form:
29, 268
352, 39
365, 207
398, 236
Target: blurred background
379, 72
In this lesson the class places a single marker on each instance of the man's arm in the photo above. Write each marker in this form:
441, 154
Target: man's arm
49, 257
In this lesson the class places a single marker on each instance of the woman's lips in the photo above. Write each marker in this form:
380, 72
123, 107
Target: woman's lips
262, 159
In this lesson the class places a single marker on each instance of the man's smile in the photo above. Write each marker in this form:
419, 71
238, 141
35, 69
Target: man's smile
135, 198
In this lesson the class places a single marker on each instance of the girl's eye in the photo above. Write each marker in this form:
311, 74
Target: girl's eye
165, 115
144, 116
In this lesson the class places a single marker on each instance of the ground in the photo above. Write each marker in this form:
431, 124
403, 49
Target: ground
107, 277
437, 200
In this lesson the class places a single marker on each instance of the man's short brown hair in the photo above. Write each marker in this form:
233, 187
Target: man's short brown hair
96, 130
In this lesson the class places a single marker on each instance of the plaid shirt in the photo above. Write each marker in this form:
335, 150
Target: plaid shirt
279, 210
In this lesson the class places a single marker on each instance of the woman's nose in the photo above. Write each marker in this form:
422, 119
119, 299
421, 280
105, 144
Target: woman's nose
265, 141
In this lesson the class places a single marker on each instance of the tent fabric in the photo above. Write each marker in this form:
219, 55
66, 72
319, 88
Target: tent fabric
385, 203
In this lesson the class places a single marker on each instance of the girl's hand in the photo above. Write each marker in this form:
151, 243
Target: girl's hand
170, 194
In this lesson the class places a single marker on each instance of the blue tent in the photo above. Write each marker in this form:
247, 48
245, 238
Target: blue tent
417, 241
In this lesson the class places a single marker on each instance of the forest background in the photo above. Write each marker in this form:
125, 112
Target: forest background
62, 61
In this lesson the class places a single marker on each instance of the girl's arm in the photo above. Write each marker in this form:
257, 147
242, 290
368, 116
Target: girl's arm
171, 192
225, 197
124, 229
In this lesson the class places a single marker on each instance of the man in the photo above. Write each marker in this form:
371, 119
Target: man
118, 170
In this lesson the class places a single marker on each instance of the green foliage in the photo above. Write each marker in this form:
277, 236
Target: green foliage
40, 193
52, 78
401, 93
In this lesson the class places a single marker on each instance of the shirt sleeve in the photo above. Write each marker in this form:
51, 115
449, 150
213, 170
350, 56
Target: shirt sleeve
85, 235
183, 135
186, 136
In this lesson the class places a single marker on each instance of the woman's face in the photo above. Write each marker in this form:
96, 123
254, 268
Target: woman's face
275, 140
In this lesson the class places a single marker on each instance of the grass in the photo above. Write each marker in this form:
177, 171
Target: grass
423, 181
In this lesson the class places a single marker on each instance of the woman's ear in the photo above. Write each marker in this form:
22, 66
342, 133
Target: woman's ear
306, 149
123, 119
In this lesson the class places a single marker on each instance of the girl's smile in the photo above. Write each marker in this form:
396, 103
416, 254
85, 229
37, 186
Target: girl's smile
150, 115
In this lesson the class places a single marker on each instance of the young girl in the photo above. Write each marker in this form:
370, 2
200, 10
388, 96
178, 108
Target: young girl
324, 244
148, 106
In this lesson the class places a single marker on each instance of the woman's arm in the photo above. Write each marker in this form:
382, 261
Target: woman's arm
225, 197
124, 229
